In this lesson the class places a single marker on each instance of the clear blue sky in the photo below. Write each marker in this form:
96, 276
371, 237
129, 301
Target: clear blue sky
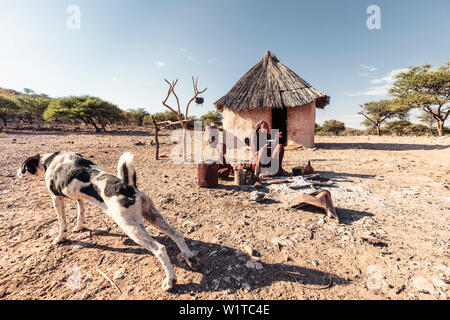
125, 49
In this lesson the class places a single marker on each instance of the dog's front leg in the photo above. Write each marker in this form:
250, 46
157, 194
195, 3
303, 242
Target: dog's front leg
81, 217
58, 203
158, 221
136, 231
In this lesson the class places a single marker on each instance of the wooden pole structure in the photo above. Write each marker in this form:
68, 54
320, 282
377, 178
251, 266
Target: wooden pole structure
156, 137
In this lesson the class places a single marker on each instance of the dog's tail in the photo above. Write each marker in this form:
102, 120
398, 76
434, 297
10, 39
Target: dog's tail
125, 169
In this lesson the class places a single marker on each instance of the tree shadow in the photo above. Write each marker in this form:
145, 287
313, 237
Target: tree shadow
269, 201
225, 268
39, 133
380, 146
243, 188
86, 133
132, 249
343, 176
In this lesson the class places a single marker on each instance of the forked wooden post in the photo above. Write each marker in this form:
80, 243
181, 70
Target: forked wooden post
177, 112
156, 137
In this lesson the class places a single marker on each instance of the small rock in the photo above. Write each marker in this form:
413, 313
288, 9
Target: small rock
190, 226
257, 196
251, 252
346, 238
423, 285
99, 232
374, 277
439, 284
85, 296
282, 241
215, 284
238, 278
119, 274
166, 200
245, 286
254, 264
243, 223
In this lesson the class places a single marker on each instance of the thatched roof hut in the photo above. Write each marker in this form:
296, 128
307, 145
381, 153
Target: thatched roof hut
271, 91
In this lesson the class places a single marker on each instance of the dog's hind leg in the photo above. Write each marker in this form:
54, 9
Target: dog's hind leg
81, 216
58, 203
152, 215
136, 231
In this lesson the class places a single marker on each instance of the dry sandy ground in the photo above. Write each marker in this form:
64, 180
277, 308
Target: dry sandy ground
394, 189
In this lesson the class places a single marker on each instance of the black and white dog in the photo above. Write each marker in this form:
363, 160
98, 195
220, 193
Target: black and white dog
69, 175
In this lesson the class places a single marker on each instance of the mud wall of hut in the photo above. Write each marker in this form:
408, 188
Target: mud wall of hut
239, 124
300, 125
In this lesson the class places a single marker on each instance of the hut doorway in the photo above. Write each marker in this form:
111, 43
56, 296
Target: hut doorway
279, 121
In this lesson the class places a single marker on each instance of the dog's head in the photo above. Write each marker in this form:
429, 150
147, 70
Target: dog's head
33, 166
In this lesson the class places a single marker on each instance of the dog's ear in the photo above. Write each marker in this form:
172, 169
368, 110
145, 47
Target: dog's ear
31, 164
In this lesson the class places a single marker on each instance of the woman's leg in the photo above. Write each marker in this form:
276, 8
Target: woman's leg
278, 156
257, 161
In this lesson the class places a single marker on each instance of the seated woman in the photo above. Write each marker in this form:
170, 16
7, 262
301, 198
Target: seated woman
225, 169
262, 154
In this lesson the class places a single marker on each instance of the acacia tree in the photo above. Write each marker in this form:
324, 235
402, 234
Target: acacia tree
91, 110
33, 105
166, 116
376, 112
177, 111
138, 115
333, 126
399, 127
8, 107
427, 119
428, 89
212, 117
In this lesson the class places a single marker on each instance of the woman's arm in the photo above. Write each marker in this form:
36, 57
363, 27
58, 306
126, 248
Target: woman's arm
254, 145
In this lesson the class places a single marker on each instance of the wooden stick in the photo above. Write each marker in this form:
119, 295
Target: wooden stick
110, 281
156, 137
311, 287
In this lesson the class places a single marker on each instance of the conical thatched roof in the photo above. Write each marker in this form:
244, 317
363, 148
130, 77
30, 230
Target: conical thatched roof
270, 84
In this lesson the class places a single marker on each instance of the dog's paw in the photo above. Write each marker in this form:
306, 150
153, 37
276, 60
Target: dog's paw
78, 229
168, 284
193, 262
59, 240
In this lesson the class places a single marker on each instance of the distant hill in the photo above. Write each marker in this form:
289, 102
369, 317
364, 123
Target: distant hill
14, 93
10, 92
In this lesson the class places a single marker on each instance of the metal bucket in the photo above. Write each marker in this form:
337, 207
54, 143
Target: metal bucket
207, 175
240, 177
